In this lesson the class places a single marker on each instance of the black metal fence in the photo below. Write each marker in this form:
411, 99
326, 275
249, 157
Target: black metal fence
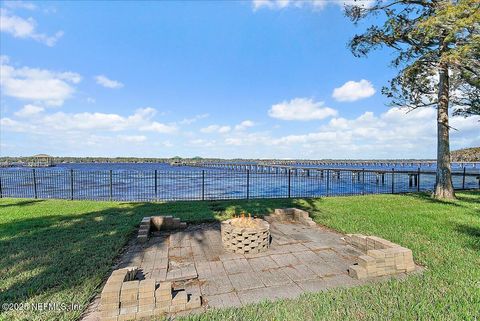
214, 185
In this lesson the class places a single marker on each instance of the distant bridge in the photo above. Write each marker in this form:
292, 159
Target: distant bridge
279, 166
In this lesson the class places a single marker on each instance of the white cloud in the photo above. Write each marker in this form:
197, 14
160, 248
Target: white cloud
159, 128
133, 138
216, 129
394, 133
202, 142
354, 90
311, 4
244, 125
108, 83
29, 110
41, 85
23, 28
20, 5
301, 109
188, 121
87, 121
281, 4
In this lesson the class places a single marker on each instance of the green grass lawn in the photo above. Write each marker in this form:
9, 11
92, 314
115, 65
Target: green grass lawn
61, 251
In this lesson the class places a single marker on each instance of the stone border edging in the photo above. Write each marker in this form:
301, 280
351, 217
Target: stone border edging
382, 257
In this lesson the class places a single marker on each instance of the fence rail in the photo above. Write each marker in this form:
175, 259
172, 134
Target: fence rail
156, 185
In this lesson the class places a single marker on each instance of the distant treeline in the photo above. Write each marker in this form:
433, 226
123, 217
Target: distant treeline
466, 155
463, 155
58, 160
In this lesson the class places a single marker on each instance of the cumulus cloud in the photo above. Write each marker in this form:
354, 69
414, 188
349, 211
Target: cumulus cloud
159, 128
354, 90
281, 4
311, 4
216, 129
104, 81
133, 138
244, 125
29, 110
393, 132
41, 85
20, 5
20, 27
301, 109
89, 121
188, 121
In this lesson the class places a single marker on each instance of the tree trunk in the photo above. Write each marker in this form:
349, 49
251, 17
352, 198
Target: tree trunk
443, 185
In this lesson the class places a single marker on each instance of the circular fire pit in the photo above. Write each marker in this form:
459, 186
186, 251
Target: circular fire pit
244, 235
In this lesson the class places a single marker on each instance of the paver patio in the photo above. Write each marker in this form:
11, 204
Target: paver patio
300, 259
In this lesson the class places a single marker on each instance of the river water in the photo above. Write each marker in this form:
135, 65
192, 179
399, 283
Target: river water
160, 181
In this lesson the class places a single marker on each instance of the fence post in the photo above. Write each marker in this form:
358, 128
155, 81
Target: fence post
363, 181
203, 185
1, 192
156, 185
289, 181
328, 181
71, 184
463, 178
111, 185
393, 180
34, 183
418, 180
248, 184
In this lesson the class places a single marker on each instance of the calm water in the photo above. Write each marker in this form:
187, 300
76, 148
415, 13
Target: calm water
159, 181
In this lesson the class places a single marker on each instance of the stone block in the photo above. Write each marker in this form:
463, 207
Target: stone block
146, 295
147, 285
109, 306
163, 304
145, 301
194, 302
110, 300
128, 304
377, 254
357, 272
359, 241
165, 287
129, 291
110, 312
179, 298
127, 317
366, 261
177, 308
145, 315
146, 307
128, 309
161, 311
115, 318
143, 231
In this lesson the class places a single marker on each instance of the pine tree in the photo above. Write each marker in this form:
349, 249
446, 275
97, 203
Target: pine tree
437, 45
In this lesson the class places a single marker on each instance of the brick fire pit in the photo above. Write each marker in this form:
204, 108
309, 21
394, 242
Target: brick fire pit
245, 235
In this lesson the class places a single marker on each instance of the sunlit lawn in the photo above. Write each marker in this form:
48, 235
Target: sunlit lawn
61, 251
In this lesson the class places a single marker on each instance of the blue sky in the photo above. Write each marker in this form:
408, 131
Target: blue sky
266, 79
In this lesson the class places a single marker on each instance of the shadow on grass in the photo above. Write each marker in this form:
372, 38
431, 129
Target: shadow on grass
21, 203
464, 197
473, 233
